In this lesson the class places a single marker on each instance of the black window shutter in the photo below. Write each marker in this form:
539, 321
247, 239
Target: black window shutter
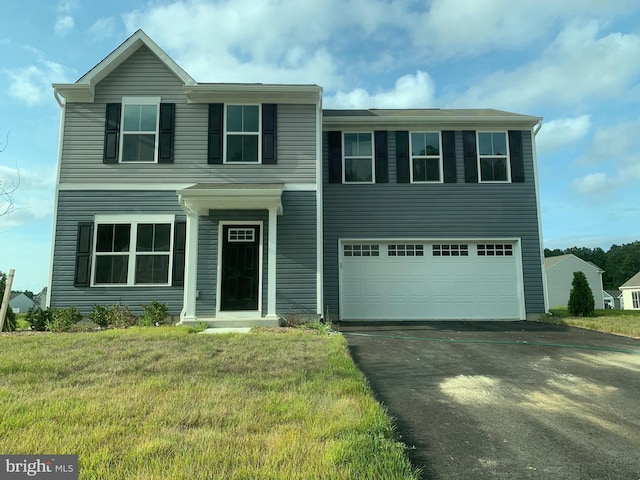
517, 158
402, 157
84, 246
449, 156
166, 135
111, 133
269, 133
382, 156
215, 132
335, 157
179, 249
470, 157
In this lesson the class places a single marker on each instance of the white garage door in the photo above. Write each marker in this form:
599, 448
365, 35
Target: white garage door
430, 281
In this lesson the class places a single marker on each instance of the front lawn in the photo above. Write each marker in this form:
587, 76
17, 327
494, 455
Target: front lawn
165, 403
620, 322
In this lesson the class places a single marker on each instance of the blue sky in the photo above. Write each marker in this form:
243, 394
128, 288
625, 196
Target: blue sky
577, 64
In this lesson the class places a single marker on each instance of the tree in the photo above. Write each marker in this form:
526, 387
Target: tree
581, 302
7, 189
10, 321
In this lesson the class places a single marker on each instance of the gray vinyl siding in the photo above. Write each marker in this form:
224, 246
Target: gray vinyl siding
143, 74
82, 206
447, 210
296, 254
296, 251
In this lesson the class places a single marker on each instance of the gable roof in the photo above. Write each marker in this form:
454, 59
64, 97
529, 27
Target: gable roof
632, 282
83, 90
551, 261
614, 293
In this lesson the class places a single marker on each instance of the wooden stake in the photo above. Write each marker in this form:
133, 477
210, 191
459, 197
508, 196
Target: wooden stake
6, 298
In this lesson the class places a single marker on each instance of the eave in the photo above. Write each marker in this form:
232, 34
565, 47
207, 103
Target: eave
253, 93
439, 121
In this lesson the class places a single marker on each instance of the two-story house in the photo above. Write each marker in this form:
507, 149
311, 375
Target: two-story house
241, 202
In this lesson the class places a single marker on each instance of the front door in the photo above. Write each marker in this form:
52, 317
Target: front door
240, 267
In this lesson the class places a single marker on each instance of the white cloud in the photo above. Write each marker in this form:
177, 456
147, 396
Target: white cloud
409, 91
32, 84
31, 191
63, 25
578, 67
599, 184
562, 132
103, 29
617, 144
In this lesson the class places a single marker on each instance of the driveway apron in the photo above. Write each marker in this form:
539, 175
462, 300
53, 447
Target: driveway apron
506, 400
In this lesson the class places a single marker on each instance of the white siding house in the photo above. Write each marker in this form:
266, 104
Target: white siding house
559, 271
631, 293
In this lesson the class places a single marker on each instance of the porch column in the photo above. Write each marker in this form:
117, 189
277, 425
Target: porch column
190, 269
271, 264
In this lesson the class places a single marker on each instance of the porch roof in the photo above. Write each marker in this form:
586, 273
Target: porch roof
202, 197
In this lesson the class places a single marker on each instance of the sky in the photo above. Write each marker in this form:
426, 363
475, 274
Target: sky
577, 64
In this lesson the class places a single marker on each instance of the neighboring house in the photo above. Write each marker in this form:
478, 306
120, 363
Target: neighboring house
631, 293
559, 271
20, 303
612, 299
40, 299
237, 203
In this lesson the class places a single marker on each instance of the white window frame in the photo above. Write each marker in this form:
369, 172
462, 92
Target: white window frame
227, 133
507, 156
439, 157
635, 298
140, 101
133, 221
372, 158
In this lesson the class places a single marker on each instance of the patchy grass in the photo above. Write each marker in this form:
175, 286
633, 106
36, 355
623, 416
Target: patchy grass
619, 322
161, 403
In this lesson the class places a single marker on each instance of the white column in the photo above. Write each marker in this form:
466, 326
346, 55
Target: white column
271, 264
190, 269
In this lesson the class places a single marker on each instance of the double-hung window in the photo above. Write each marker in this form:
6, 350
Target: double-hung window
493, 157
242, 134
426, 157
635, 298
139, 129
358, 165
133, 252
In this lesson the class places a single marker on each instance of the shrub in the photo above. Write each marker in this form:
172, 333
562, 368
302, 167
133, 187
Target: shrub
581, 302
63, 319
122, 317
100, 315
39, 318
154, 314
9, 324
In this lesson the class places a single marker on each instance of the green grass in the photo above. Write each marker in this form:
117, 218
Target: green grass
620, 322
164, 403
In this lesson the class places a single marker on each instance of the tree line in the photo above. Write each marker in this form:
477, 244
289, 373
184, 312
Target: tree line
620, 262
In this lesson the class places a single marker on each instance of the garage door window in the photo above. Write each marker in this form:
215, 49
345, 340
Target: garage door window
405, 250
451, 250
495, 250
361, 250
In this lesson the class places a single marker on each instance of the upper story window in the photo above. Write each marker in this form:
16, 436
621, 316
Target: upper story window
139, 129
358, 165
242, 134
426, 157
493, 157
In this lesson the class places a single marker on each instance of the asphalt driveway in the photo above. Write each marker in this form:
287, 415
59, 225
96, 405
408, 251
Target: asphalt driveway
507, 400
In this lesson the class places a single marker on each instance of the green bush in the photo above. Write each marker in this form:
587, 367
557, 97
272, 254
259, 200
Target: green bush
581, 302
100, 315
122, 317
154, 314
63, 319
10, 322
39, 318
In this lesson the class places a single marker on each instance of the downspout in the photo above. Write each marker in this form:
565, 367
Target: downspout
535, 130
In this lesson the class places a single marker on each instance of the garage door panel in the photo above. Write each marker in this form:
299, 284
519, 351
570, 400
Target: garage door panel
465, 286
